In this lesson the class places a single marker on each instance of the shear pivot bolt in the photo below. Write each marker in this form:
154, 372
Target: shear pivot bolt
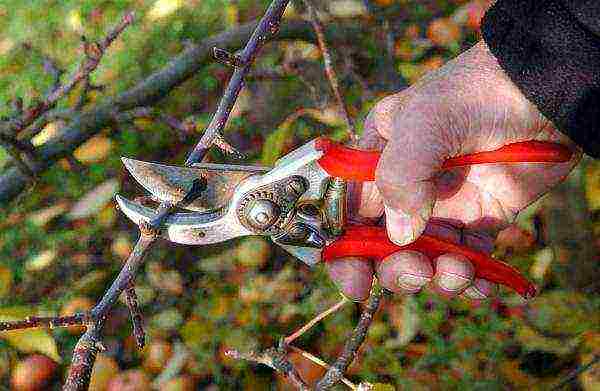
262, 213
262, 218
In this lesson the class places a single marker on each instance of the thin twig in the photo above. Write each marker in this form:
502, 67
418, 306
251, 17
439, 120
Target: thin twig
51, 321
87, 346
329, 69
275, 359
339, 367
84, 125
321, 363
267, 27
94, 51
289, 339
575, 373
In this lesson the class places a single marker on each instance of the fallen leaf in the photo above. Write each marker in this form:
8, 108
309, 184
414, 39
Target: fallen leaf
347, 8
94, 150
94, 201
40, 261
541, 263
105, 368
592, 185
444, 32
49, 132
6, 281
532, 340
162, 8
379, 387
121, 246
44, 216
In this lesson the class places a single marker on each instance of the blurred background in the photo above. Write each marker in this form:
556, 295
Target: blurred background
63, 241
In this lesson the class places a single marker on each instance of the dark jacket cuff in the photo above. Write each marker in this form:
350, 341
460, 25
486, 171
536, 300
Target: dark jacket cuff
553, 56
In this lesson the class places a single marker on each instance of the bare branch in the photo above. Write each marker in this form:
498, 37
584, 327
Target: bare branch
82, 363
275, 359
267, 27
339, 367
85, 125
93, 54
51, 322
289, 339
329, 69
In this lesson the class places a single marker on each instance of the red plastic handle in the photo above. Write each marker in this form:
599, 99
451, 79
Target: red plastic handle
373, 243
356, 165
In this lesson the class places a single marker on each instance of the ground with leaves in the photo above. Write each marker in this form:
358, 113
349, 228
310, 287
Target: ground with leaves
63, 241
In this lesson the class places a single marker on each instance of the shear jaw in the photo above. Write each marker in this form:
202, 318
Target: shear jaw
193, 228
260, 203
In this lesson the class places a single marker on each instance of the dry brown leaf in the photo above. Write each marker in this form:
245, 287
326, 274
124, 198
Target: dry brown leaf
40, 261
44, 216
6, 281
94, 150
347, 8
94, 201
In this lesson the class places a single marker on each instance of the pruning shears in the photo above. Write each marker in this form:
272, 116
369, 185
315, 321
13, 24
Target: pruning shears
301, 204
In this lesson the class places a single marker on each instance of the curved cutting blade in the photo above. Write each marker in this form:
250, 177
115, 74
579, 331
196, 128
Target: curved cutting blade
194, 228
171, 183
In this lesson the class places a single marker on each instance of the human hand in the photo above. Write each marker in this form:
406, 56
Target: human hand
469, 105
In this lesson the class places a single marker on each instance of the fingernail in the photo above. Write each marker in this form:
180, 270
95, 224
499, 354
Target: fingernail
399, 227
453, 273
412, 283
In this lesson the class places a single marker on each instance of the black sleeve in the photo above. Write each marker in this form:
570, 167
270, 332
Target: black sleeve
551, 50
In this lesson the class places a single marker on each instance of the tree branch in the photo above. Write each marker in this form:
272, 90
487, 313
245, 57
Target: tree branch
146, 93
275, 359
94, 51
82, 365
267, 27
329, 69
335, 373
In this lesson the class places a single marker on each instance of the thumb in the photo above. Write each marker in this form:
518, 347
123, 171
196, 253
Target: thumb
405, 179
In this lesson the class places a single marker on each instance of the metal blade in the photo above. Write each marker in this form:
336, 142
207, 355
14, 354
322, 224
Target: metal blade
193, 228
171, 183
